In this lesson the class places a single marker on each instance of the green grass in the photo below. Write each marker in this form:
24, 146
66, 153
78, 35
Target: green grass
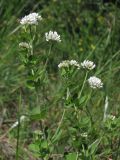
88, 31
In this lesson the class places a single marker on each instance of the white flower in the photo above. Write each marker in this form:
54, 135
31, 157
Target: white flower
111, 117
25, 45
22, 118
95, 82
88, 64
52, 36
32, 18
85, 135
68, 63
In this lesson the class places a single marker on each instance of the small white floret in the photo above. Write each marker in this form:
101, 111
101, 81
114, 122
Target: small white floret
85, 135
74, 63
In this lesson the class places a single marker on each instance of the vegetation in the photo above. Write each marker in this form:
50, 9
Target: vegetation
50, 108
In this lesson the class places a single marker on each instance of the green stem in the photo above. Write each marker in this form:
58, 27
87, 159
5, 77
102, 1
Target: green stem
31, 41
38, 105
89, 114
18, 138
18, 130
87, 109
79, 95
77, 156
48, 55
58, 128
40, 122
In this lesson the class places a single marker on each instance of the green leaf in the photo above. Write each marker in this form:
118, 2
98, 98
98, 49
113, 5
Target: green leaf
44, 144
72, 130
63, 72
57, 136
93, 147
82, 99
30, 84
71, 156
36, 114
35, 149
23, 57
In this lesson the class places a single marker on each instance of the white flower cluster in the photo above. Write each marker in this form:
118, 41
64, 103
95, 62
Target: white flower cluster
111, 117
31, 19
88, 64
85, 135
22, 118
25, 45
52, 36
68, 63
95, 82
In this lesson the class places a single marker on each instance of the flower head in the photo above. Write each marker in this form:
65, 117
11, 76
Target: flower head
88, 64
95, 82
52, 36
25, 45
68, 63
31, 19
